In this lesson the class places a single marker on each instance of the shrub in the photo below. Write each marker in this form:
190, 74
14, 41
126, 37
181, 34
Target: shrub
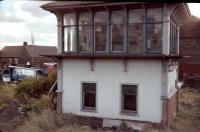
44, 102
35, 88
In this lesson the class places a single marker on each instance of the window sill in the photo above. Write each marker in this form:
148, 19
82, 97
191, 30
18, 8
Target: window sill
129, 113
89, 110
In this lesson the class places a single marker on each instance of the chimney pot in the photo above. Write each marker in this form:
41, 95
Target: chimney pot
25, 43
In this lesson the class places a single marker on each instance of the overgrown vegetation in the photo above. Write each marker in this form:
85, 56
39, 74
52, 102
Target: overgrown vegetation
188, 117
34, 88
7, 94
49, 121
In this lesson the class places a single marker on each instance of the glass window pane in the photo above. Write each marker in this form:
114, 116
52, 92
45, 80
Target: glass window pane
154, 38
154, 14
69, 39
136, 16
101, 17
118, 17
89, 99
129, 89
118, 37
89, 95
129, 97
135, 37
85, 38
101, 21
100, 37
130, 102
69, 19
85, 18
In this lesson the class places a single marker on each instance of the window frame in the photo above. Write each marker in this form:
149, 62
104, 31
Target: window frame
129, 112
143, 31
107, 31
124, 31
63, 33
88, 109
109, 37
147, 51
91, 13
174, 36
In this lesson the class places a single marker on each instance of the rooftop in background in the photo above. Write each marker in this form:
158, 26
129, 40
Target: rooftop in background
32, 50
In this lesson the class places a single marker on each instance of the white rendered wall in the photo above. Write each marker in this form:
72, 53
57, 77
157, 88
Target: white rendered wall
109, 74
172, 77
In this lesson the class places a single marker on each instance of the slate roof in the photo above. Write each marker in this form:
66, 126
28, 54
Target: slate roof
32, 51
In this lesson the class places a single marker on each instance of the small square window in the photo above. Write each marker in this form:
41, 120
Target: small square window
89, 96
129, 98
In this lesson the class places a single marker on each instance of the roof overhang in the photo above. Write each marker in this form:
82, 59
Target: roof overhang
114, 56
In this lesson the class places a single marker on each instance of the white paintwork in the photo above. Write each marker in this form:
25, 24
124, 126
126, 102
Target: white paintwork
109, 74
172, 77
166, 31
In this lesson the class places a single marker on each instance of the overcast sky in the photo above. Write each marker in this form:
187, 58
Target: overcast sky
19, 18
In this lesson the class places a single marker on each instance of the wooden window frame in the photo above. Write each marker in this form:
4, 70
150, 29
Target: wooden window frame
129, 112
88, 109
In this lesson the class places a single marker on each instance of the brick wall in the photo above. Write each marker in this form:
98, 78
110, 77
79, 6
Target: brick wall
190, 46
172, 108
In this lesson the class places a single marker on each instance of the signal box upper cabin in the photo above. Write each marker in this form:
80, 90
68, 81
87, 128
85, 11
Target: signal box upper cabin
118, 60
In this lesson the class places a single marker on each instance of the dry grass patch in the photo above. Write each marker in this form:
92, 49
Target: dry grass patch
7, 94
49, 121
188, 117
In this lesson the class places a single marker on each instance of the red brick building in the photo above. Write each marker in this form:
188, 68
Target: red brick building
190, 47
189, 68
26, 55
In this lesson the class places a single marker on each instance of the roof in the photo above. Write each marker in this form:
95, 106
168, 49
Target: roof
52, 6
70, 3
32, 51
10, 51
36, 51
180, 10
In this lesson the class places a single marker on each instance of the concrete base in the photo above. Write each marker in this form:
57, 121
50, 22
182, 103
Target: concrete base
140, 126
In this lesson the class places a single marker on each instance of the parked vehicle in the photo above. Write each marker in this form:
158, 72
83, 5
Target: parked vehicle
16, 73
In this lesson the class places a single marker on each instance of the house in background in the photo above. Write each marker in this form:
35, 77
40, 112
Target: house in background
26, 55
189, 68
118, 61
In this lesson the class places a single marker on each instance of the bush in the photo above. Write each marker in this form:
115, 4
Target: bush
35, 88
44, 102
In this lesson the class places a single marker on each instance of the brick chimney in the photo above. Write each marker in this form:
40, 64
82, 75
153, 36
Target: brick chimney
25, 43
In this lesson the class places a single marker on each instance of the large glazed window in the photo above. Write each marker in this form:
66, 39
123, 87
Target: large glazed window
129, 98
101, 33
173, 36
69, 32
117, 29
85, 32
135, 31
154, 30
89, 96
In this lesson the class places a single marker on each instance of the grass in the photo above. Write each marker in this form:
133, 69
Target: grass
188, 117
49, 121
7, 94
